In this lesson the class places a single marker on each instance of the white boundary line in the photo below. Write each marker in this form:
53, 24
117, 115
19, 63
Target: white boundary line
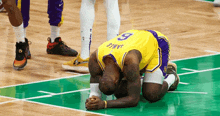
74, 76
210, 51
187, 92
27, 100
183, 83
199, 71
195, 57
68, 108
52, 94
1, 103
204, 1
189, 69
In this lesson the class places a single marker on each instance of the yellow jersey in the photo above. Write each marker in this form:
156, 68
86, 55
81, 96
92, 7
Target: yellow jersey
141, 40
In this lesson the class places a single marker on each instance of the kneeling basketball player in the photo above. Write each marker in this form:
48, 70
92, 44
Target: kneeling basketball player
117, 65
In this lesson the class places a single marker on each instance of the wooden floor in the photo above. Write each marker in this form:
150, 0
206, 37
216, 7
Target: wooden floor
192, 28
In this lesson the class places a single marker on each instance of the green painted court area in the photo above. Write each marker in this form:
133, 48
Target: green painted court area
197, 94
206, 1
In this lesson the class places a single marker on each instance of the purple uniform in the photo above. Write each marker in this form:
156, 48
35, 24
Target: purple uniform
55, 9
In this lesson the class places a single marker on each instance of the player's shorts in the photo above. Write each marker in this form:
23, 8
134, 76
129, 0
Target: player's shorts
156, 69
161, 57
55, 9
24, 7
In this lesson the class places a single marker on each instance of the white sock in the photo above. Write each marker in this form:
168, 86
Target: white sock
113, 18
55, 32
19, 33
87, 16
170, 80
94, 90
24, 32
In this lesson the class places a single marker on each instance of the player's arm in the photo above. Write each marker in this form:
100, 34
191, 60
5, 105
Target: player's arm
95, 72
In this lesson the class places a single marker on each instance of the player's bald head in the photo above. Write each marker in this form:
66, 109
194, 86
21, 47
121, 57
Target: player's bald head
107, 85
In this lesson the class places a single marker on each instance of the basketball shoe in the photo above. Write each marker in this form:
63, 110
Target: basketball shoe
77, 64
60, 48
172, 69
22, 54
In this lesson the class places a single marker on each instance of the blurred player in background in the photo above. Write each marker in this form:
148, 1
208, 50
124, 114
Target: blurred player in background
87, 15
18, 12
118, 64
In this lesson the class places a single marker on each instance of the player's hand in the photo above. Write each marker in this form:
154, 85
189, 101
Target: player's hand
94, 103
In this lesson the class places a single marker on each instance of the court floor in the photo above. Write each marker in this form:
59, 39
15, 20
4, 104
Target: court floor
197, 94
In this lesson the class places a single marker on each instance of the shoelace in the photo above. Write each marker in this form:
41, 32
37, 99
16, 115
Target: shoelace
29, 42
64, 44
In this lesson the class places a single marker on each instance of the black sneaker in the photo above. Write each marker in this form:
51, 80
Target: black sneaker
22, 54
60, 48
172, 69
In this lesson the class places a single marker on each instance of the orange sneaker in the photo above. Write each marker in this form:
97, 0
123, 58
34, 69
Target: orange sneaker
22, 54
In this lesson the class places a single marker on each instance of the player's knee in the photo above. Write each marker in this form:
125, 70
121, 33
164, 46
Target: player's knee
8, 5
151, 97
106, 86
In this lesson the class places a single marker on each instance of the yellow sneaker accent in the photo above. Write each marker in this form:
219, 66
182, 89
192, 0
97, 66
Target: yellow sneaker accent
77, 64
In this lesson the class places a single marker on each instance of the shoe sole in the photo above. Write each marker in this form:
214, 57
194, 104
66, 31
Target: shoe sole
20, 67
61, 54
82, 69
29, 55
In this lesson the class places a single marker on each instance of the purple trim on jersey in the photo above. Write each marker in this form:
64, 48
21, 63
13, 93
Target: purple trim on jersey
90, 38
100, 64
164, 45
159, 65
113, 57
55, 9
25, 10
123, 58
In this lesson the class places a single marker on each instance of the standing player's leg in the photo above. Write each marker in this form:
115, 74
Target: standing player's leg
87, 15
113, 18
22, 47
55, 44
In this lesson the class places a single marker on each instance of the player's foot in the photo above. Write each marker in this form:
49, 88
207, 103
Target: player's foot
60, 48
22, 54
77, 64
172, 69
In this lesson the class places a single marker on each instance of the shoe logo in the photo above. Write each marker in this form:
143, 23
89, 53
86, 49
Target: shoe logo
20, 51
76, 62
60, 5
